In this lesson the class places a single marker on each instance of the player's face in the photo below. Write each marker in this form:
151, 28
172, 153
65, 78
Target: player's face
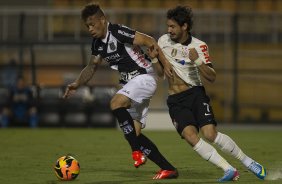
176, 32
96, 26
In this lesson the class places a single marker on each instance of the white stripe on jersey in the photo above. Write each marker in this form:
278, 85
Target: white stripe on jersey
135, 53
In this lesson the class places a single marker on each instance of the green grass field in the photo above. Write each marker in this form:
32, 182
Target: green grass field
27, 156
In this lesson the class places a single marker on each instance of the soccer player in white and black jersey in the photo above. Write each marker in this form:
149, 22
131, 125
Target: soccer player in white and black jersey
188, 103
119, 46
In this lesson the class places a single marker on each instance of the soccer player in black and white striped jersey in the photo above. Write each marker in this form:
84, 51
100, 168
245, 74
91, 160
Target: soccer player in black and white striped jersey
120, 47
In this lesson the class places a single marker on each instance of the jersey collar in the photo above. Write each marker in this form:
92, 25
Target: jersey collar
188, 41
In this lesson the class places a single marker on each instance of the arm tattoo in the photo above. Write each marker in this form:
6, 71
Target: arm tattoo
86, 74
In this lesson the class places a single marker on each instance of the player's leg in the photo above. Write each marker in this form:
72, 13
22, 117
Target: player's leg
138, 156
151, 151
230, 173
190, 133
136, 90
187, 110
209, 153
139, 112
119, 104
205, 115
227, 145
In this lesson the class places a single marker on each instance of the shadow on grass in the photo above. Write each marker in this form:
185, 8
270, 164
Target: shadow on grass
145, 177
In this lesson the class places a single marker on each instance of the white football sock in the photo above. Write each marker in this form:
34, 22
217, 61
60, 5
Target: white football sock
227, 145
209, 153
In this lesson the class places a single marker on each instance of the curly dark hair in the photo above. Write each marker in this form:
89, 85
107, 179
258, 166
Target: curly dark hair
182, 15
91, 9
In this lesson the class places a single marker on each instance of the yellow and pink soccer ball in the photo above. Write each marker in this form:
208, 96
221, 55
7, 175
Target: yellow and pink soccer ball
67, 168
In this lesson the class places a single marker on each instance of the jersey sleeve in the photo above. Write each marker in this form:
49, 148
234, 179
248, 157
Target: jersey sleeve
161, 41
203, 52
123, 34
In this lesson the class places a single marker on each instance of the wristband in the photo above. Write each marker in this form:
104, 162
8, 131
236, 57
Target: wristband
198, 62
155, 60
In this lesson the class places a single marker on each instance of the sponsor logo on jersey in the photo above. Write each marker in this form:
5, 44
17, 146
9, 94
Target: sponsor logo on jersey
173, 52
140, 56
112, 57
125, 34
127, 76
206, 53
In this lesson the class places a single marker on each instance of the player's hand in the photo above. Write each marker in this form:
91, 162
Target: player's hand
193, 54
70, 90
152, 52
168, 70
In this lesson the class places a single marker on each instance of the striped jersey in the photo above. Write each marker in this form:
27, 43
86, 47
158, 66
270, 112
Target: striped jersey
118, 50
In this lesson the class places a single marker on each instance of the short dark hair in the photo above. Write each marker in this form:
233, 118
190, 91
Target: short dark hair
91, 9
182, 15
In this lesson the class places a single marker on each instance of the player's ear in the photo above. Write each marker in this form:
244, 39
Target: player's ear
184, 27
103, 19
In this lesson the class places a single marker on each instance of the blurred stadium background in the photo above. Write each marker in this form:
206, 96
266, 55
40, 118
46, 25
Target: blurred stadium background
51, 45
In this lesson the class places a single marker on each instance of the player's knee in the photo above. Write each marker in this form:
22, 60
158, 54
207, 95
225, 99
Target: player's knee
209, 135
209, 132
119, 101
115, 104
190, 135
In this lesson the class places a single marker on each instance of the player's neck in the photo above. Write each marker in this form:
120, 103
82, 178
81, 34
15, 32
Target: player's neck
186, 39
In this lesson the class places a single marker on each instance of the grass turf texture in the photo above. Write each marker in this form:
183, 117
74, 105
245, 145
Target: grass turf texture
28, 156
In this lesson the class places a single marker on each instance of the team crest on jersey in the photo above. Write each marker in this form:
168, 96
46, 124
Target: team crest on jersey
173, 52
185, 52
112, 46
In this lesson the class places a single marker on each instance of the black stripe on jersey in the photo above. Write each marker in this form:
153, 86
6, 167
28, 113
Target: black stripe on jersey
119, 51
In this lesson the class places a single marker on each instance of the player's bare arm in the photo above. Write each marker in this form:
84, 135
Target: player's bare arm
148, 41
85, 75
207, 71
153, 54
88, 72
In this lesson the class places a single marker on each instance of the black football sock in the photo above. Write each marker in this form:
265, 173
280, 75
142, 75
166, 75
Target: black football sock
127, 126
153, 153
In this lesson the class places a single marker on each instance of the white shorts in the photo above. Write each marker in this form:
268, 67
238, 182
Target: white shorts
140, 90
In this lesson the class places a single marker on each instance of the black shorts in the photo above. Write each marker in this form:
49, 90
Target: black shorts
190, 107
